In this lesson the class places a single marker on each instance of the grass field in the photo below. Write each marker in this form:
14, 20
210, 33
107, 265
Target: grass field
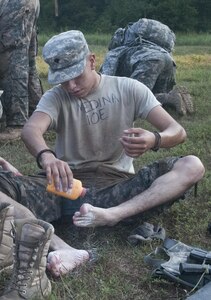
120, 272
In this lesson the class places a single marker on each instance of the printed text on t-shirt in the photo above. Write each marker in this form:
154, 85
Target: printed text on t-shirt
96, 109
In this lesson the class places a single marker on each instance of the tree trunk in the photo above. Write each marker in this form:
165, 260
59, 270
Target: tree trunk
56, 4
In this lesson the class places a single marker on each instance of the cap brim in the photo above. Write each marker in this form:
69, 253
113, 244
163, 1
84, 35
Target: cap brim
63, 75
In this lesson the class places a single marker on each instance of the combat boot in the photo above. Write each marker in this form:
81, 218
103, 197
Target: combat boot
179, 99
6, 240
10, 134
187, 99
174, 100
31, 243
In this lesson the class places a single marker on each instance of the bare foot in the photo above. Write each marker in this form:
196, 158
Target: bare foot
91, 216
61, 262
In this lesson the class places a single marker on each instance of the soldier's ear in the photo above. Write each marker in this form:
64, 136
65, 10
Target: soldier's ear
92, 61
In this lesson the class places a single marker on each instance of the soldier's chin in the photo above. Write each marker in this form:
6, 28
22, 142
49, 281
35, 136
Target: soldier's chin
79, 94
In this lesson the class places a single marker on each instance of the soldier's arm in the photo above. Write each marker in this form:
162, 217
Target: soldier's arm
33, 131
56, 169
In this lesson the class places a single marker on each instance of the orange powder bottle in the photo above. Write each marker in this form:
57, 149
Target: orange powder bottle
74, 193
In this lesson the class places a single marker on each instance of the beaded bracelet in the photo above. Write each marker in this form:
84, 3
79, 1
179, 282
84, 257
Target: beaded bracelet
39, 155
157, 141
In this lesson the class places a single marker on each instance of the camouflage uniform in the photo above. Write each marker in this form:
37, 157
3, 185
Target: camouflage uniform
151, 65
142, 51
1, 108
18, 49
105, 189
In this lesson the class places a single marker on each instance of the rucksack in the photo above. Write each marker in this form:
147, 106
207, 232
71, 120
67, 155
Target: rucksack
144, 29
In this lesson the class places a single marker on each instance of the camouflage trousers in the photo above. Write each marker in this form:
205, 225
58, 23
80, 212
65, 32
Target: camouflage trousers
18, 49
30, 191
156, 69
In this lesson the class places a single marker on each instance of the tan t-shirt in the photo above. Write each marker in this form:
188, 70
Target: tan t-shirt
88, 129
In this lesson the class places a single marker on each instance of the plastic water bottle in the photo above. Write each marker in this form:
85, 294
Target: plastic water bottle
74, 193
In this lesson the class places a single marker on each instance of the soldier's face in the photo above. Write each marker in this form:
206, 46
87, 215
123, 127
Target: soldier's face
82, 85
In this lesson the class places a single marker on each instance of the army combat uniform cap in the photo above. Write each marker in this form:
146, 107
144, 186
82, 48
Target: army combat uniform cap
65, 54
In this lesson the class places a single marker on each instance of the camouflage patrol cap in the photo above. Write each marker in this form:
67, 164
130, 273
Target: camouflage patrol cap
65, 54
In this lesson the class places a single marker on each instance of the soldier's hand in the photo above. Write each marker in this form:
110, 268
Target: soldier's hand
136, 141
58, 171
8, 167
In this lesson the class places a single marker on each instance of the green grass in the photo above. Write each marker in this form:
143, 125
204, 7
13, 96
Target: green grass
92, 39
120, 272
192, 39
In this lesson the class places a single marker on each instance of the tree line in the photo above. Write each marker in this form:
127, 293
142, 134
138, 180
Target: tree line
105, 16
